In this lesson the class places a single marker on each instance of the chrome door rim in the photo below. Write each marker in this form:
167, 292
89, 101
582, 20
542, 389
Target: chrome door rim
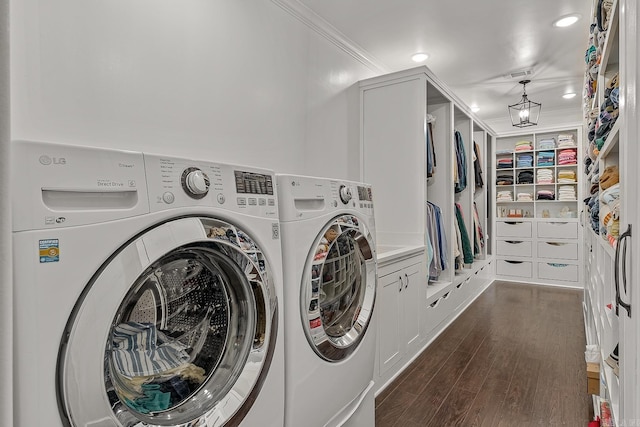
337, 348
82, 401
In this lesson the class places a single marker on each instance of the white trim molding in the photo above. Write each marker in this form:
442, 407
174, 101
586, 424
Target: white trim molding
316, 23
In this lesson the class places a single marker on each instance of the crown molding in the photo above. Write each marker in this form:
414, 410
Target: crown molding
316, 23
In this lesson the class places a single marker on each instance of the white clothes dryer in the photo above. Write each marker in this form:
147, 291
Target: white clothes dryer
147, 290
330, 275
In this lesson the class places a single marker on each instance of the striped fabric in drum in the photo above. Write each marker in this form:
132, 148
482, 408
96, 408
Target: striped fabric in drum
139, 349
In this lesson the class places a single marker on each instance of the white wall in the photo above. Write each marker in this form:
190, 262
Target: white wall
6, 294
234, 81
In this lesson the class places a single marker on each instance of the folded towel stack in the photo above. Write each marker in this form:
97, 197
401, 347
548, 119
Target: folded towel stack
610, 214
566, 177
504, 180
505, 163
525, 177
547, 144
525, 197
524, 160
610, 176
566, 141
567, 193
567, 156
545, 176
546, 158
546, 195
505, 196
524, 146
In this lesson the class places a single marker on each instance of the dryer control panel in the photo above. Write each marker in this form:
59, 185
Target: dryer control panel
178, 182
303, 197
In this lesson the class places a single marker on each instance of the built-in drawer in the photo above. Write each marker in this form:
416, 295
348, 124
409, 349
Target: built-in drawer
558, 271
513, 229
441, 308
557, 250
506, 267
514, 248
558, 230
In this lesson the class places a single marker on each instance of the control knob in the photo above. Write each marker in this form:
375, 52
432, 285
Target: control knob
345, 194
195, 183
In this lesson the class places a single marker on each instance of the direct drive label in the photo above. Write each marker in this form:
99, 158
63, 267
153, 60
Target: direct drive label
49, 250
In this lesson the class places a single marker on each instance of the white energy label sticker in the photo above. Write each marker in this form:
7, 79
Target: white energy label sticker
49, 250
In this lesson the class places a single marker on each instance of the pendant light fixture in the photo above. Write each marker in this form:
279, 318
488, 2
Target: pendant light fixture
524, 113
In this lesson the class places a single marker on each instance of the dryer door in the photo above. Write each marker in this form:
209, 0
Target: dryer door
179, 325
338, 288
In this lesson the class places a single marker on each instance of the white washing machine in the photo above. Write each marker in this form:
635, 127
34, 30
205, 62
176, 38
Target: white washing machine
330, 276
146, 291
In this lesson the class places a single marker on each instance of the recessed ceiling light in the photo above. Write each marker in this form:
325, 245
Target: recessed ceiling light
566, 21
569, 95
475, 108
420, 57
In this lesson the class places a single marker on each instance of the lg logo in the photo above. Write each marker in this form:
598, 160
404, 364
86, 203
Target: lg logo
46, 160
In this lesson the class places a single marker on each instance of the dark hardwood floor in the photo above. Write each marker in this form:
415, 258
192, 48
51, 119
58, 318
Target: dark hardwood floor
515, 357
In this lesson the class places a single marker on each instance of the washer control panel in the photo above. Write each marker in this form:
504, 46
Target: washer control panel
176, 182
304, 197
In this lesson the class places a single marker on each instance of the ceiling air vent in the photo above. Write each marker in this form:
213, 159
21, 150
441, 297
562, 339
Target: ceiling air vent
518, 74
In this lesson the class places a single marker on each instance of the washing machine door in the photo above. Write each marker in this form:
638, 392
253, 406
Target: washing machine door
178, 327
338, 288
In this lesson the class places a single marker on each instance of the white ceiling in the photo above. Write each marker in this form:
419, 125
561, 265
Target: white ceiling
472, 44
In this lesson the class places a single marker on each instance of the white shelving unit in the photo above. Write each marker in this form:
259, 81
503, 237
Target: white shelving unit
412, 310
537, 241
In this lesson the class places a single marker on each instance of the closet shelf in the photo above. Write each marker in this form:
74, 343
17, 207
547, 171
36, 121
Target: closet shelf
612, 141
610, 48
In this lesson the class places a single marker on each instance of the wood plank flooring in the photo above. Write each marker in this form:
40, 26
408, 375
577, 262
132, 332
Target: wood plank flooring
515, 357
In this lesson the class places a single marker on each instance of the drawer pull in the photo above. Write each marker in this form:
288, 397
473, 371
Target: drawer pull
459, 285
555, 264
514, 242
558, 223
445, 296
435, 303
556, 243
513, 262
513, 222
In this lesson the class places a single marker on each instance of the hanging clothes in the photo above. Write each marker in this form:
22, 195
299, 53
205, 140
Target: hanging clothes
467, 252
478, 238
438, 239
461, 164
477, 165
431, 152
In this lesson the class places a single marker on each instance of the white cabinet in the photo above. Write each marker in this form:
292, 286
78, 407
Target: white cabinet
401, 305
539, 250
408, 120
519, 248
557, 230
537, 199
513, 229
514, 268
389, 308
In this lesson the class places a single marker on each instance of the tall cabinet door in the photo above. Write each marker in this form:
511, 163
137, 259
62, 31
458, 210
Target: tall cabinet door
390, 345
414, 298
630, 157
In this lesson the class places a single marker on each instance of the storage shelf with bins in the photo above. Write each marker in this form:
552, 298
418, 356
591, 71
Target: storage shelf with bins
509, 178
537, 231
